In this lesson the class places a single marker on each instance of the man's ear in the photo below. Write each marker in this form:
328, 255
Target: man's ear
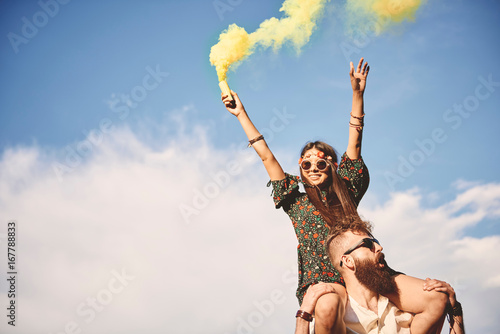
348, 262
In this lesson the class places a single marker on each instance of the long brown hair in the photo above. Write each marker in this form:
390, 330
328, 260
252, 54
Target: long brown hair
337, 203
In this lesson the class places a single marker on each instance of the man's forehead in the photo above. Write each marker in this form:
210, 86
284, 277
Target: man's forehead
354, 236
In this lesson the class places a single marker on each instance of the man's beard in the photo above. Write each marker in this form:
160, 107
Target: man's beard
374, 277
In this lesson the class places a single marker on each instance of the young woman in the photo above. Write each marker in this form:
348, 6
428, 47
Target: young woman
332, 190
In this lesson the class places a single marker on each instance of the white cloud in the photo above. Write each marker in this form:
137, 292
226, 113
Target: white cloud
232, 255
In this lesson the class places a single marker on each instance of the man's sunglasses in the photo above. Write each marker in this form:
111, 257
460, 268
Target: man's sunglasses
321, 164
366, 242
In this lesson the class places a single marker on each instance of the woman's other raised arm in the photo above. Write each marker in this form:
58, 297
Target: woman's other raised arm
356, 122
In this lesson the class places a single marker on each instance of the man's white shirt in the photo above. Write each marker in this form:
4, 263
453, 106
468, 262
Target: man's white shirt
389, 320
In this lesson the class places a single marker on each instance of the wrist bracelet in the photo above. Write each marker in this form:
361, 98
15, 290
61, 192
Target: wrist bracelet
304, 315
358, 127
456, 311
256, 139
358, 117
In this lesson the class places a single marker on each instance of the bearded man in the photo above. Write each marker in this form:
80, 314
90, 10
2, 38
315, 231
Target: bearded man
358, 256
359, 259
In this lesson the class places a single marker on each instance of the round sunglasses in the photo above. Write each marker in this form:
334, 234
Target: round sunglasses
321, 164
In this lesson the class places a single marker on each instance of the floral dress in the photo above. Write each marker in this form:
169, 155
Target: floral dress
310, 228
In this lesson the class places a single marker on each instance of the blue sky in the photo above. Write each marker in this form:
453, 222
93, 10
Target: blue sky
136, 76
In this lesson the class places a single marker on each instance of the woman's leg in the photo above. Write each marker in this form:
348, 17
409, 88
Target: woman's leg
428, 306
330, 310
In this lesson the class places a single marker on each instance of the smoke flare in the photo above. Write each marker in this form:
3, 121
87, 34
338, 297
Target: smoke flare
296, 26
381, 15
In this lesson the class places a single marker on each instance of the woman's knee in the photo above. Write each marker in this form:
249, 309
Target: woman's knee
329, 308
412, 298
437, 302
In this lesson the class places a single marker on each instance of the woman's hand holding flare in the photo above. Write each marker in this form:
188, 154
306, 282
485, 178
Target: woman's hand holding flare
235, 106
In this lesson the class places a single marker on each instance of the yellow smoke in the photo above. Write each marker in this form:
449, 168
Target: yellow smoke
296, 27
380, 15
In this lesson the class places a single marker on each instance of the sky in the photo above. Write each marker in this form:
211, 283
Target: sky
137, 207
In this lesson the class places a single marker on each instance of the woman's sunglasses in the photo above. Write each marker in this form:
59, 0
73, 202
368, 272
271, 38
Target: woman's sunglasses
321, 164
366, 242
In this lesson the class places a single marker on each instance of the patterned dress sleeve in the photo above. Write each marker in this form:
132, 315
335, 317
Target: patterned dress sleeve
355, 174
285, 191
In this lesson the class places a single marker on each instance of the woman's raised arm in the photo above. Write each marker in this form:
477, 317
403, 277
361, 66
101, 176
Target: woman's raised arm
254, 137
358, 83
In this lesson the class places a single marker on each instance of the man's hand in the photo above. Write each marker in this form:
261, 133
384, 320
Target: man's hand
441, 286
312, 295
